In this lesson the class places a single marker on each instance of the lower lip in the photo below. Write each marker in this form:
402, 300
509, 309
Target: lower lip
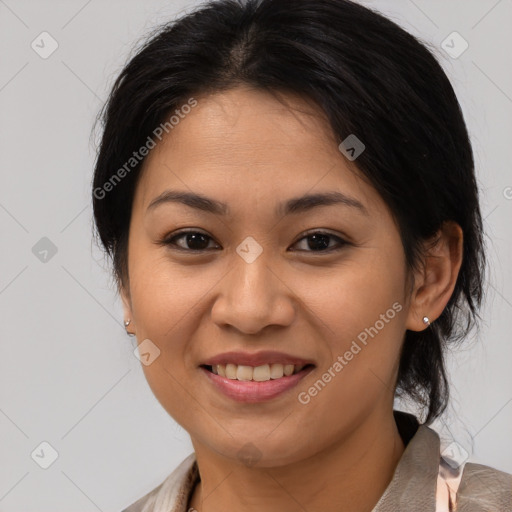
252, 391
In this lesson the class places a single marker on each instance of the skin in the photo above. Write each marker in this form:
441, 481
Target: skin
248, 149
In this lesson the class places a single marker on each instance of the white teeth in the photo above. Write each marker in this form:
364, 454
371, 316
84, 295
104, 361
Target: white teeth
244, 372
259, 373
288, 369
276, 371
230, 371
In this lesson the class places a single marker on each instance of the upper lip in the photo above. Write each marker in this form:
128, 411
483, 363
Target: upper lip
256, 359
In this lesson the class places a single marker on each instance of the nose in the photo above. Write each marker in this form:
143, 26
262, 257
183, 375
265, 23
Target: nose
253, 296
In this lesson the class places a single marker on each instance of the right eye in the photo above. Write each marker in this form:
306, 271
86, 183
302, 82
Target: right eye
196, 241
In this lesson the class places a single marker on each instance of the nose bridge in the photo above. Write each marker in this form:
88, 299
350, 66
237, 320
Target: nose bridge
252, 280
252, 296
249, 258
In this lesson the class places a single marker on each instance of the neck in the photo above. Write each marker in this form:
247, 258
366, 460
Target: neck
351, 475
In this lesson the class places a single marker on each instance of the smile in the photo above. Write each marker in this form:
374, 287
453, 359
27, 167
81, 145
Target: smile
241, 382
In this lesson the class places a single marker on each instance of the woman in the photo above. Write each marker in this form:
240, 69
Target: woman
287, 192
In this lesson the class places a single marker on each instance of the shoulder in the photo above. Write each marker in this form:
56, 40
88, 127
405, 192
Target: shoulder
484, 488
172, 494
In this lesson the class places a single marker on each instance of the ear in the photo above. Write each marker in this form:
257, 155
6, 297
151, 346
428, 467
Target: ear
127, 307
435, 281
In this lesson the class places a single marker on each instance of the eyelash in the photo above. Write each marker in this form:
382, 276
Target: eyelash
170, 241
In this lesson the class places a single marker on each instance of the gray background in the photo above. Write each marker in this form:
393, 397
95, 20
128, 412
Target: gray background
67, 370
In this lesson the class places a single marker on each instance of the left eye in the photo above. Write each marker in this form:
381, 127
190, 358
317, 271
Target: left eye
318, 241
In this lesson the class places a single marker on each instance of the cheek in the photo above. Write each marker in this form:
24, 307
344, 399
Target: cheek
164, 294
360, 309
164, 311
355, 294
164, 303
362, 339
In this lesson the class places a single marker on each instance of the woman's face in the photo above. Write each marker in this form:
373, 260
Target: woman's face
254, 278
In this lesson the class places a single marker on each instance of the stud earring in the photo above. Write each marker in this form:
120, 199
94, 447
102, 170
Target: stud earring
126, 324
426, 321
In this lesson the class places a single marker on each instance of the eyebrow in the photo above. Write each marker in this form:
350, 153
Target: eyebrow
295, 205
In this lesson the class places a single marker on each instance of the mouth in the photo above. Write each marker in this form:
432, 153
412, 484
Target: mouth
254, 384
261, 373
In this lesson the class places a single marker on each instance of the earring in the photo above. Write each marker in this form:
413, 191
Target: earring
426, 321
126, 324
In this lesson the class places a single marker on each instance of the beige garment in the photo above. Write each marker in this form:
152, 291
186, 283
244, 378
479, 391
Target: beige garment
422, 482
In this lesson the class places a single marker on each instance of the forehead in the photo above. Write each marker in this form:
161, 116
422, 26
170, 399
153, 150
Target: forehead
248, 142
